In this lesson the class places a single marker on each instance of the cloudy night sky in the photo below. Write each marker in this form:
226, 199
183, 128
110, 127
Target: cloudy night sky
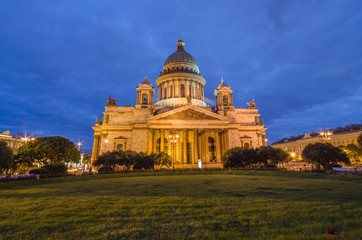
59, 60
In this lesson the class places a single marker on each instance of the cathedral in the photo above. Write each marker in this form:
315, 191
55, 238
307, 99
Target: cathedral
182, 123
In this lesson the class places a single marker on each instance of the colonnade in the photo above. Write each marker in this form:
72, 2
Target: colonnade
192, 144
180, 88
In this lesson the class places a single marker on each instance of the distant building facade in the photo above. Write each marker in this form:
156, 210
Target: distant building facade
338, 136
14, 142
181, 123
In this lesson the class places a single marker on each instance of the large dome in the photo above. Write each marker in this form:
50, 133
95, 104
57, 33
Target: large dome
180, 61
180, 56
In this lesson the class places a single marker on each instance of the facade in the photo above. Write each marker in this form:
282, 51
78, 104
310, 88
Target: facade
181, 122
13, 142
338, 136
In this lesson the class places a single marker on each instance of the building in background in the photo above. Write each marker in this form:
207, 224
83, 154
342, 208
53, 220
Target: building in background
14, 142
338, 136
182, 123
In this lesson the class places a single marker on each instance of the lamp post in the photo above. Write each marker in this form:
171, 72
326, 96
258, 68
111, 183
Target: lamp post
81, 154
173, 140
106, 141
326, 135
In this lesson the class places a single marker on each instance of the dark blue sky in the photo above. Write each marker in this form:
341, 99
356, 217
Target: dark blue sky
59, 60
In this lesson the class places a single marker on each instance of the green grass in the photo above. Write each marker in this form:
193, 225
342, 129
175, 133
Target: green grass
183, 205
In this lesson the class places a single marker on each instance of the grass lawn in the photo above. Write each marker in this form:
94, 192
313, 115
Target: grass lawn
183, 205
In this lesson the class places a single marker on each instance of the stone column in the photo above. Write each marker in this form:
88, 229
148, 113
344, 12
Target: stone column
217, 140
95, 149
162, 140
204, 146
150, 144
196, 155
184, 148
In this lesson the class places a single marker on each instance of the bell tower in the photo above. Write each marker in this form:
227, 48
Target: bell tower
224, 97
145, 93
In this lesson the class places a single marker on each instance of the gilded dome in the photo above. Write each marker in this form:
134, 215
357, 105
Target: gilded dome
180, 61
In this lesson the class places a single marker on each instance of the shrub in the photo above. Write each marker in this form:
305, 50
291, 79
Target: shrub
270, 166
39, 171
161, 159
105, 170
56, 168
143, 162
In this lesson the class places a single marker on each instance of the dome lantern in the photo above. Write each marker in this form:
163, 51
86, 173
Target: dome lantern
180, 46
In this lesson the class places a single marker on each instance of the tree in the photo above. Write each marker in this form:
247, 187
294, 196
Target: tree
117, 159
6, 157
353, 151
359, 141
45, 150
239, 157
231, 158
323, 154
110, 159
270, 155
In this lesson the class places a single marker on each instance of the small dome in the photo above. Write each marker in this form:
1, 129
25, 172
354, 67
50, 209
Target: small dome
222, 84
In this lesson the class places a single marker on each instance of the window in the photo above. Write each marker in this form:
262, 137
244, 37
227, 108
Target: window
225, 100
182, 90
171, 91
119, 147
144, 98
190, 94
165, 93
246, 145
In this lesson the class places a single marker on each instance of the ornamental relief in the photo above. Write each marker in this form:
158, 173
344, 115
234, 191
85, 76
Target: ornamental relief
190, 114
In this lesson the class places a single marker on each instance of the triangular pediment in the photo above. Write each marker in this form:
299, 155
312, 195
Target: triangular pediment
189, 112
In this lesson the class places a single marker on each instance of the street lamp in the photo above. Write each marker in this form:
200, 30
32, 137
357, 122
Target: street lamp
81, 154
326, 135
106, 141
173, 140
79, 144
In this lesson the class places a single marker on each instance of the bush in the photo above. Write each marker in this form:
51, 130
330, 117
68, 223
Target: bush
270, 166
143, 162
56, 168
161, 159
39, 171
105, 170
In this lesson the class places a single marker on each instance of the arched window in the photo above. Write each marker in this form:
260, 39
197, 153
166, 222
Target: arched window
246, 145
119, 147
212, 156
225, 100
144, 98
182, 90
165, 93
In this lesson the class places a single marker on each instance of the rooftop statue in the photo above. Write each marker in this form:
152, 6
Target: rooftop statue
111, 101
251, 104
